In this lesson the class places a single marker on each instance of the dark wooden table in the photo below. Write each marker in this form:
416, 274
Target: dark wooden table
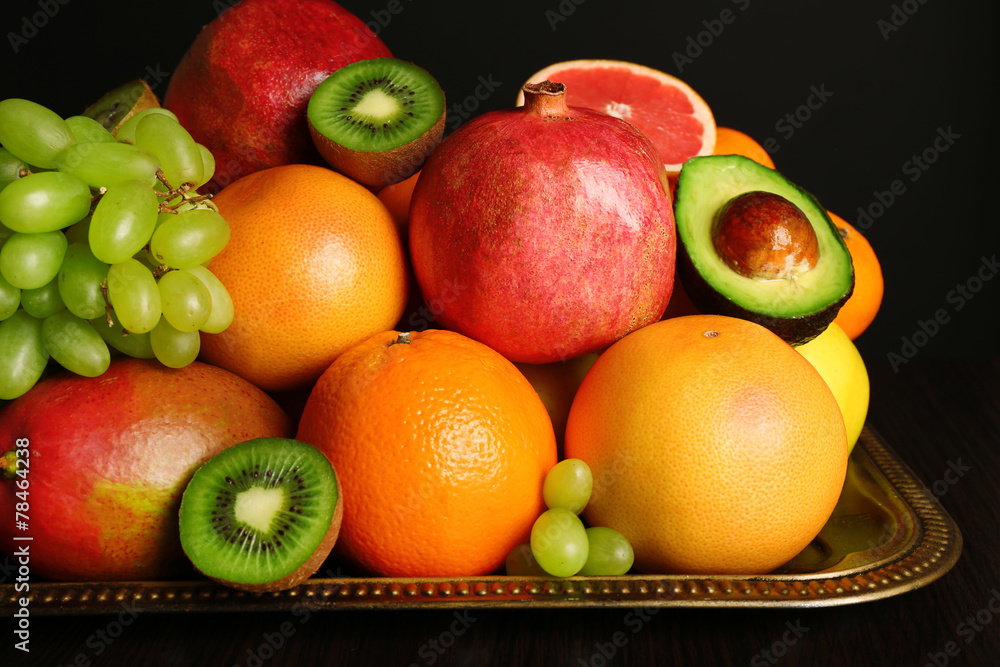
939, 416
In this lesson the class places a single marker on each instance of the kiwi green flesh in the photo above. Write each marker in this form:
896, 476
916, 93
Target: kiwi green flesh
376, 104
262, 515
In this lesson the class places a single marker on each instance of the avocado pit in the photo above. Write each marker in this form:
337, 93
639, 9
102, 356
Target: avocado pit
762, 235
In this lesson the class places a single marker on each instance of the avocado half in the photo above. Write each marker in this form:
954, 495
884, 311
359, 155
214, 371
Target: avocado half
796, 309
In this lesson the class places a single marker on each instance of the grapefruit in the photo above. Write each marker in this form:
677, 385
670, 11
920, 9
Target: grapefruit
664, 108
725, 455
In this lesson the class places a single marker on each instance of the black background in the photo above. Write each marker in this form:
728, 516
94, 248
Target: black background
892, 91
896, 74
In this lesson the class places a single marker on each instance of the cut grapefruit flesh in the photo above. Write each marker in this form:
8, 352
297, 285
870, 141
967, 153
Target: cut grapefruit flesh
664, 108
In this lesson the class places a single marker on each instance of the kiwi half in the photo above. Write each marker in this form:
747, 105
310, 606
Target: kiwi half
377, 120
262, 515
118, 105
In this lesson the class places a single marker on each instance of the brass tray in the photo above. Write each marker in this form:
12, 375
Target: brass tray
888, 535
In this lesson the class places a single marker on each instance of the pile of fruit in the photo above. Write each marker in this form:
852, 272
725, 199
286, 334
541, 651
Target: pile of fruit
104, 239
589, 334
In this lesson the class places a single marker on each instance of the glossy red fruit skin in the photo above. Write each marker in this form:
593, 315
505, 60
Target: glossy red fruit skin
109, 458
545, 234
244, 84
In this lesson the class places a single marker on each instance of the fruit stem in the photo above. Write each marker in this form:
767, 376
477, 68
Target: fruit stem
545, 99
403, 339
9, 463
107, 303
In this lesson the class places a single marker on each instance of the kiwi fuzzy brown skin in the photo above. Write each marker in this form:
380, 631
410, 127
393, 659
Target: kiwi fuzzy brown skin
378, 169
309, 567
118, 105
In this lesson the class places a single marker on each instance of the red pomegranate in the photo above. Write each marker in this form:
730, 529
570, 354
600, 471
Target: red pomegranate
243, 86
544, 231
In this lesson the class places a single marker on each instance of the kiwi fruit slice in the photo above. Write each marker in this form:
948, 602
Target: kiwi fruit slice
118, 105
261, 515
377, 120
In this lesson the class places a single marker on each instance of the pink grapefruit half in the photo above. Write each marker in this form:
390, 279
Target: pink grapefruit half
664, 108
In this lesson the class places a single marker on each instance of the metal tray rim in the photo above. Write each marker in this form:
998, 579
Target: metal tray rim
932, 551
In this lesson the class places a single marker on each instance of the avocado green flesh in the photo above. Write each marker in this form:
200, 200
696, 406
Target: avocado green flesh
704, 186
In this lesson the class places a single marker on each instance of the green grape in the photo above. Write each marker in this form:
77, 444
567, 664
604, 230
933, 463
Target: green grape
609, 554
173, 348
222, 303
123, 221
134, 295
43, 301
10, 167
105, 165
78, 232
208, 162
521, 563
185, 300
44, 202
32, 132
5, 233
10, 298
22, 354
75, 344
568, 484
133, 344
179, 155
85, 129
80, 278
126, 132
31, 260
559, 542
192, 237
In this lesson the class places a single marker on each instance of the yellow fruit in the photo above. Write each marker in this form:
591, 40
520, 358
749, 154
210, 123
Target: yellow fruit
836, 358
715, 447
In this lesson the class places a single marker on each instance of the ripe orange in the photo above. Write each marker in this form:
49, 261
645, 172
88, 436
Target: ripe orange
733, 142
726, 454
314, 265
859, 311
664, 108
442, 447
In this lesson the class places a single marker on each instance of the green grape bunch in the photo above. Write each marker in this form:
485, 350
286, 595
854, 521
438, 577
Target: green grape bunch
103, 243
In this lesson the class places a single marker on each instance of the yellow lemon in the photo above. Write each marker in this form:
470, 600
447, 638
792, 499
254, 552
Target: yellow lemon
837, 359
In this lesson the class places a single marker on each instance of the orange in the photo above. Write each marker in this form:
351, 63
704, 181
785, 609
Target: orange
314, 264
859, 311
726, 454
396, 198
733, 142
667, 110
442, 447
